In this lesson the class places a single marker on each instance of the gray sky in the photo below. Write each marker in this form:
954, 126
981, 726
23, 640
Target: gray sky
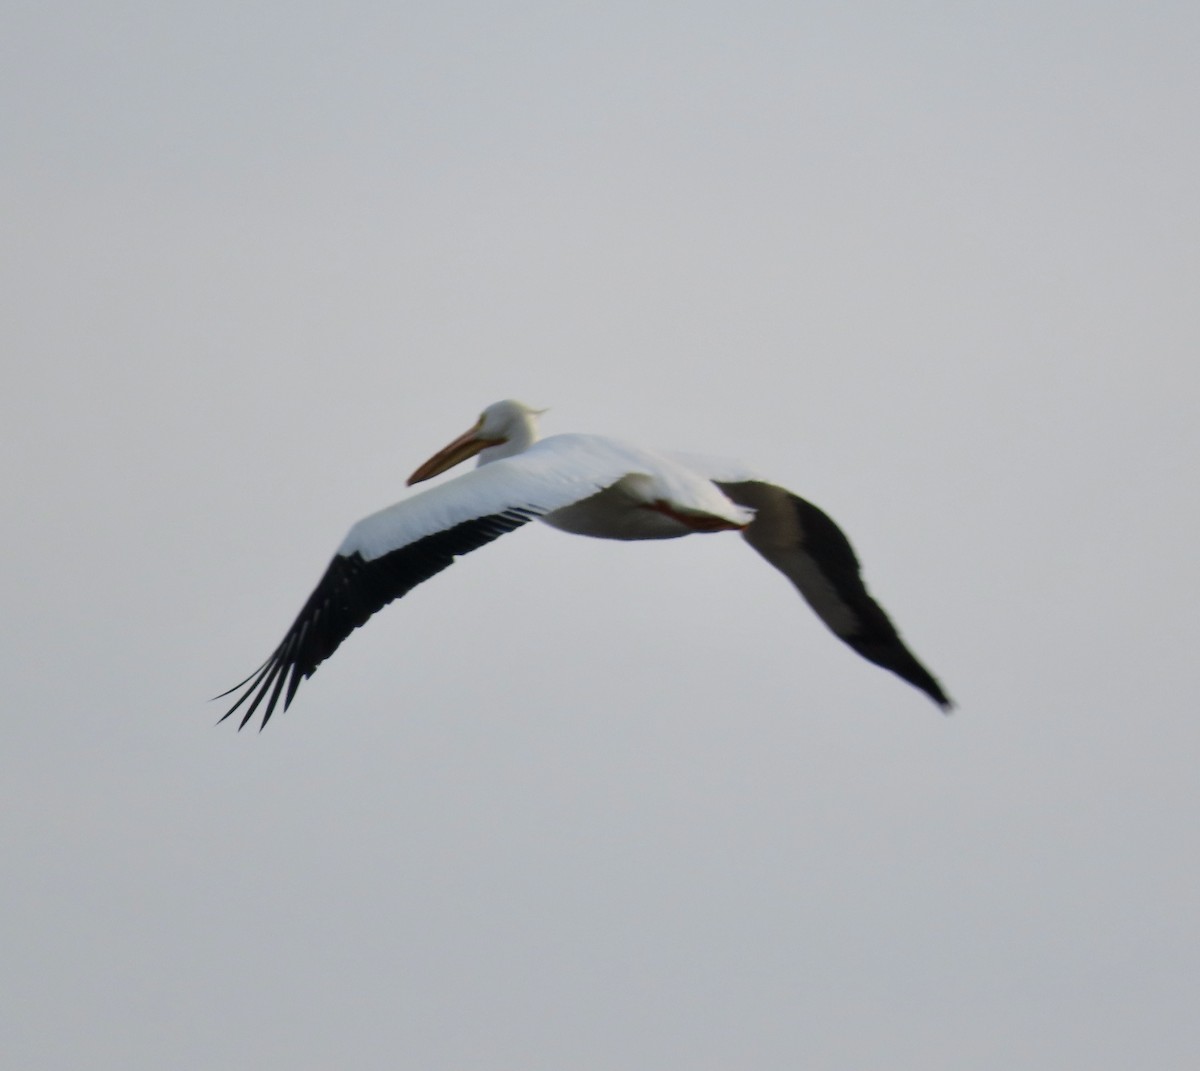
579, 805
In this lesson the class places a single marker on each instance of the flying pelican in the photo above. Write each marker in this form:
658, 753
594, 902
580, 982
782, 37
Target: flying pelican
590, 485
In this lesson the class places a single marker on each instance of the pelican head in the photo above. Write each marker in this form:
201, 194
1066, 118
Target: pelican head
503, 429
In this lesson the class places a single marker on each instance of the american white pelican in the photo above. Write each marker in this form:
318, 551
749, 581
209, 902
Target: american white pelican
585, 484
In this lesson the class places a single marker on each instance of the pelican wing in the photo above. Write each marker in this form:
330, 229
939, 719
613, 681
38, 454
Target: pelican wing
387, 554
804, 544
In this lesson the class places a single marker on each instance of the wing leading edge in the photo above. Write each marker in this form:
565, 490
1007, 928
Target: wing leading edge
352, 589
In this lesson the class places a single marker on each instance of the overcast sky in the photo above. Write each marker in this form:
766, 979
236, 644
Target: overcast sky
575, 805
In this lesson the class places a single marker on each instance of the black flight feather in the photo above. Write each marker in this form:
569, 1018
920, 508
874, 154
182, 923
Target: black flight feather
352, 589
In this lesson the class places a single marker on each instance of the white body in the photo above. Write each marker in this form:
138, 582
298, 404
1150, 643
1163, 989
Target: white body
588, 485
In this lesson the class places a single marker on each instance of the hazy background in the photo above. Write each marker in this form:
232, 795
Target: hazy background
577, 805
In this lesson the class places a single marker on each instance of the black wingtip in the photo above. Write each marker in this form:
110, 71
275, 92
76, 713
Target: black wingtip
927, 682
912, 671
885, 648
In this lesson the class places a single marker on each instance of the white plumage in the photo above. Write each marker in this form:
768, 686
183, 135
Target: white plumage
548, 476
585, 484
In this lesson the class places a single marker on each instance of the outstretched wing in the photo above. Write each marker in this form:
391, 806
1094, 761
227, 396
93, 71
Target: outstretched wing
351, 590
387, 554
804, 544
